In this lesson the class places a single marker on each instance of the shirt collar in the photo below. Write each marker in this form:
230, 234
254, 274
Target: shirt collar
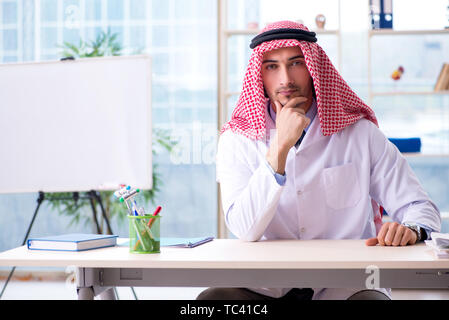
311, 113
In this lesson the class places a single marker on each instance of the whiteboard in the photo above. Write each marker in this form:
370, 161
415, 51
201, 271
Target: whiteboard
75, 125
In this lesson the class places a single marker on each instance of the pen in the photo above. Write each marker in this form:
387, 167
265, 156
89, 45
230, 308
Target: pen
155, 213
130, 212
134, 208
137, 211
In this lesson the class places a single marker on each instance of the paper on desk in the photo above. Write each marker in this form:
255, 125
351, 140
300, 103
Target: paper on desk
439, 252
440, 240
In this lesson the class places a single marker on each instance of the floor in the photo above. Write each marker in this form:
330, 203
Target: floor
60, 290
65, 290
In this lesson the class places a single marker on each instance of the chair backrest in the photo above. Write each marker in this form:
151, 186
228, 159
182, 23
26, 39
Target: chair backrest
407, 144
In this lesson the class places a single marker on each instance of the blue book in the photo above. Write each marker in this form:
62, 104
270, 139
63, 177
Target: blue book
72, 242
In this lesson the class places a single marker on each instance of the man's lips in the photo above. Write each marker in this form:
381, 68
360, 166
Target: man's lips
286, 92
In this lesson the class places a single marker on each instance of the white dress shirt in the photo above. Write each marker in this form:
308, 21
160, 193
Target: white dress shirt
328, 191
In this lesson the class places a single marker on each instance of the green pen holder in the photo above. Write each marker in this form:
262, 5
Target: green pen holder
144, 234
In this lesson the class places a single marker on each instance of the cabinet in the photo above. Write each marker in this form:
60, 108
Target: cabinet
389, 32
419, 94
431, 168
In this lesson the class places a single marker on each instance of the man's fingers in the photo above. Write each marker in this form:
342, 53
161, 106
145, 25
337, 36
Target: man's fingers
382, 232
389, 237
398, 236
395, 234
371, 241
407, 237
307, 121
411, 236
296, 101
278, 106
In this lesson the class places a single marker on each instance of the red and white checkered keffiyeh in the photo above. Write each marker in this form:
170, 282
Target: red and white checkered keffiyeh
338, 106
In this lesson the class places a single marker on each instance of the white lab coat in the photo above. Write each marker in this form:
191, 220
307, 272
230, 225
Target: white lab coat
331, 181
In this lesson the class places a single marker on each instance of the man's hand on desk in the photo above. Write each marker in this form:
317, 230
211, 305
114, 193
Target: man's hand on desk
393, 234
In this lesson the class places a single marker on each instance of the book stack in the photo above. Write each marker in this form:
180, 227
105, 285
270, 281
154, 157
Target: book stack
439, 244
442, 83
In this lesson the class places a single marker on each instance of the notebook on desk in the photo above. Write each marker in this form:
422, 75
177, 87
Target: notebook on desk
184, 242
175, 242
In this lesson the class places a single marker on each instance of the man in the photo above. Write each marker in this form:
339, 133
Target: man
303, 158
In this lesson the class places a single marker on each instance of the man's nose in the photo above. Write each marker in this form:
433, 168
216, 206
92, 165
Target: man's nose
284, 77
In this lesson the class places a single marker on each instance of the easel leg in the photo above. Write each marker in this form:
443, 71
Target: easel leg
134, 293
7, 281
103, 212
94, 211
40, 199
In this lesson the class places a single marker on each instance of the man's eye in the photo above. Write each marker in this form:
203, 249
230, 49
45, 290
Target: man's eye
297, 63
271, 66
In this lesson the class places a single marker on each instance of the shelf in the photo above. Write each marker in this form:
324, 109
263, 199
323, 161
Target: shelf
444, 215
250, 32
241, 32
411, 93
326, 31
424, 155
390, 32
386, 93
377, 94
230, 94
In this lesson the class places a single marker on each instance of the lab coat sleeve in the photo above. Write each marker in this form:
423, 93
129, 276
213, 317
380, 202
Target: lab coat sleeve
394, 185
249, 190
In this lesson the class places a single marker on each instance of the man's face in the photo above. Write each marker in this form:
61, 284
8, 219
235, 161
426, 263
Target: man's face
285, 76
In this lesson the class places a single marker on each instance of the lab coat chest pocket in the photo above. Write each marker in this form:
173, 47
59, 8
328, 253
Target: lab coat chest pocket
342, 188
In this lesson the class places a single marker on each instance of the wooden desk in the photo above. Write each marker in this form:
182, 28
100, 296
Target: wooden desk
234, 263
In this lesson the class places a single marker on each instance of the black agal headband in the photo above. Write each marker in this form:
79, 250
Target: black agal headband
283, 33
